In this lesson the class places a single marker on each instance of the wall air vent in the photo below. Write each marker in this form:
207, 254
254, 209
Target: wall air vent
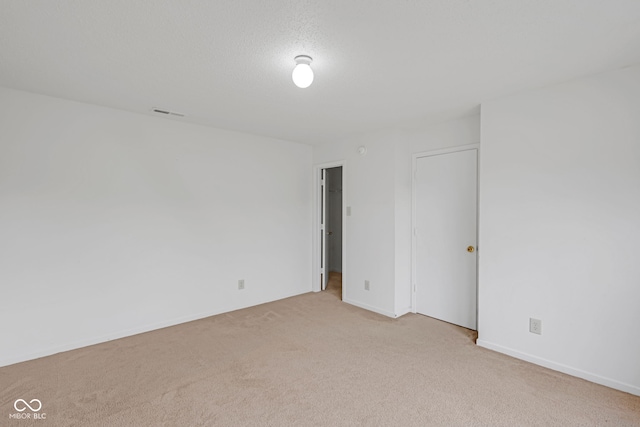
168, 113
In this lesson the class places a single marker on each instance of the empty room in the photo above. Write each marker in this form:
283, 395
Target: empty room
319, 213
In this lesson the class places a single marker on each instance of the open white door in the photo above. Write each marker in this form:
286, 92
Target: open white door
324, 271
446, 222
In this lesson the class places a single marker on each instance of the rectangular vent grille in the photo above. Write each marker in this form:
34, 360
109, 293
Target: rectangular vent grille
168, 113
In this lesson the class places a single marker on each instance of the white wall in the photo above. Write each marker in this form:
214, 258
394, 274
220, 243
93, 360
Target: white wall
378, 188
369, 230
560, 226
114, 223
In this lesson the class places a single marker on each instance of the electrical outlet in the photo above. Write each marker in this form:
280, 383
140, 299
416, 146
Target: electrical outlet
366, 285
535, 326
241, 284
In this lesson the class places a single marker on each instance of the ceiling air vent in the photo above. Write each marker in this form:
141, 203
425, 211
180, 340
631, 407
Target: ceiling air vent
168, 113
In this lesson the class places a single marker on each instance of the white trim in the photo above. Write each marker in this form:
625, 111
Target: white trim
322, 213
370, 308
316, 286
618, 385
404, 311
414, 159
474, 146
129, 332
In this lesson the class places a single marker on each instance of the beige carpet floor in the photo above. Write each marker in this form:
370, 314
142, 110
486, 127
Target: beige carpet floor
310, 360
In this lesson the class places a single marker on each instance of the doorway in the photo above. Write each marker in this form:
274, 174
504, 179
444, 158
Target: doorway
445, 235
330, 230
333, 225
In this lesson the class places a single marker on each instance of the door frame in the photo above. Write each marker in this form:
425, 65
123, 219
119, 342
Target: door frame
316, 286
414, 162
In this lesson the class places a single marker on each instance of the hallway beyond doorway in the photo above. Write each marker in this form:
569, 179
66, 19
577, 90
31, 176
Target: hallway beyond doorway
334, 286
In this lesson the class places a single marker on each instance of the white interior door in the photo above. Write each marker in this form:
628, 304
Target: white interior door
446, 221
324, 271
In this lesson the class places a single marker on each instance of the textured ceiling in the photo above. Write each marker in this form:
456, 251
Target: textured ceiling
377, 63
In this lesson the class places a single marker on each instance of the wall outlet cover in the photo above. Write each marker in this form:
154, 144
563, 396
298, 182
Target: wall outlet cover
535, 326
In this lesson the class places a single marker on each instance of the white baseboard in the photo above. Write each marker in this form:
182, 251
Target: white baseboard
103, 338
403, 311
618, 385
370, 308
124, 333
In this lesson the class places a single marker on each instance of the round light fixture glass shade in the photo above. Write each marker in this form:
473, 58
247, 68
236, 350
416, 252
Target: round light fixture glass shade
303, 74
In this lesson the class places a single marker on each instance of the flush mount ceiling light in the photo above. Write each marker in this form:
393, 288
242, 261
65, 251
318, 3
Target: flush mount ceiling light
303, 74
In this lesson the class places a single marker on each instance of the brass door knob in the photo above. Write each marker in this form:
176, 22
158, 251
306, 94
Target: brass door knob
471, 249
